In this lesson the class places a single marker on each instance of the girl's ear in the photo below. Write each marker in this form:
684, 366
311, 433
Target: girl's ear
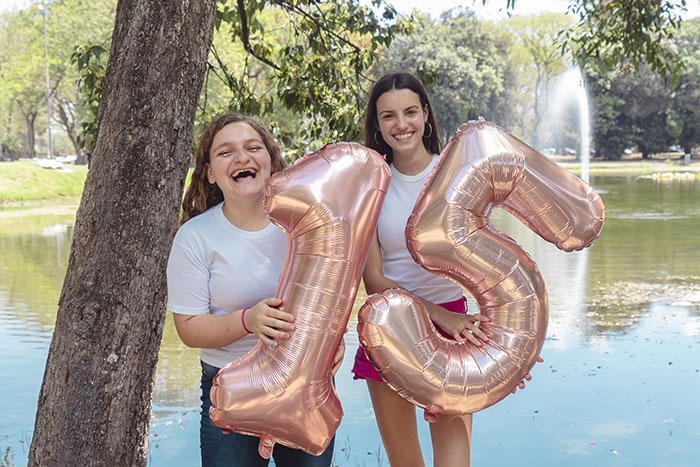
210, 175
426, 113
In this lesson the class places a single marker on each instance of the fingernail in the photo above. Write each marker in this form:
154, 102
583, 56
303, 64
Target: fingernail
286, 336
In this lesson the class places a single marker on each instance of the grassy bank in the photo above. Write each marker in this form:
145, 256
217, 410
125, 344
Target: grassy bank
24, 183
632, 165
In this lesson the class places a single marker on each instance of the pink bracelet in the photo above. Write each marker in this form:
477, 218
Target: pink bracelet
243, 319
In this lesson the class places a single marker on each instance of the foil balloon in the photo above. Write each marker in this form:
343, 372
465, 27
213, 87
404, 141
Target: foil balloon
449, 234
329, 203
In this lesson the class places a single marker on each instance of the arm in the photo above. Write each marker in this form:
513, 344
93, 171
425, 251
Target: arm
209, 331
373, 276
189, 299
461, 327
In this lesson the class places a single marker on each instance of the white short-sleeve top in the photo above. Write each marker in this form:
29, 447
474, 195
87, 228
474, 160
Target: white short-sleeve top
215, 267
398, 264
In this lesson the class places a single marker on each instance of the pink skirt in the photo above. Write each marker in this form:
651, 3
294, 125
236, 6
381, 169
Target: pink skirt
363, 368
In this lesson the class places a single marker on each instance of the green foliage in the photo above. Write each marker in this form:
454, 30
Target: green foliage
87, 60
684, 116
630, 110
643, 110
626, 34
537, 60
458, 59
301, 64
304, 66
23, 90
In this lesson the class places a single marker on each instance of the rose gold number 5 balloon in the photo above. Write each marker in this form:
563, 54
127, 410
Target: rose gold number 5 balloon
449, 234
328, 202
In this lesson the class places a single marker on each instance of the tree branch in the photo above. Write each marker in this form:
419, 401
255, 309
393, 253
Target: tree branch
245, 36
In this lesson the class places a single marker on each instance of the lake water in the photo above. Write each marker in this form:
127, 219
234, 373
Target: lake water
620, 385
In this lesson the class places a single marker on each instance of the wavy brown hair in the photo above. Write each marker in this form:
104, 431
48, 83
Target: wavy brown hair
373, 138
200, 194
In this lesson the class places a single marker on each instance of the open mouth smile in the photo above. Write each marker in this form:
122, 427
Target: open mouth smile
242, 174
403, 136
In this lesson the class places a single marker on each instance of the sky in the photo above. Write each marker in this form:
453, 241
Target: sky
494, 9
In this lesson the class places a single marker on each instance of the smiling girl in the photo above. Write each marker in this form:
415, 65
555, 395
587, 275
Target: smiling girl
223, 271
400, 124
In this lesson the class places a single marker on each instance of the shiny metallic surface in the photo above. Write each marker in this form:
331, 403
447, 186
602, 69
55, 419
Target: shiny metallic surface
449, 234
329, 203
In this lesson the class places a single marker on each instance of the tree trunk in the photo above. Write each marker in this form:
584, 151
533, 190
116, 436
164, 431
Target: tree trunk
67, 118
95, 400
30, 140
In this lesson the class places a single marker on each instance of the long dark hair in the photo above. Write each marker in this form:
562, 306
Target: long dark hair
200, 194
373, 138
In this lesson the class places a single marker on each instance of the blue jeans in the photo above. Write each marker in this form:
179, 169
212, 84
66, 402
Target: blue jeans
237, 450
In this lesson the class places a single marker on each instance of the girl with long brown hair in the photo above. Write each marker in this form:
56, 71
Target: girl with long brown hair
223, 271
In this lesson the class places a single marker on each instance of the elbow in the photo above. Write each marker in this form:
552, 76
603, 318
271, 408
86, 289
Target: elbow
372, 283
189, 343
187, 340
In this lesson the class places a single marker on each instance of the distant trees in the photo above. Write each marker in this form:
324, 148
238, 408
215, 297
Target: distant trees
506, 72
23, 90
306, 72
684, 115
458, 58
538, 58
23, 86
631, 110
643, 110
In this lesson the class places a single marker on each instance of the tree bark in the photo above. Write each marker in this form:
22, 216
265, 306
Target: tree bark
67, 118
95, 400
30, 138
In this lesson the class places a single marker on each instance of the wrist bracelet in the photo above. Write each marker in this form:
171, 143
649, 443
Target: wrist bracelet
243, 319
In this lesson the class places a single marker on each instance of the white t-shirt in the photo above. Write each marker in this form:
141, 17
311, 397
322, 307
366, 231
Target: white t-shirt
215, 267
391, 228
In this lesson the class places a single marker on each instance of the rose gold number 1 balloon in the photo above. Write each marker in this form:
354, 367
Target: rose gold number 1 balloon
328, 202
449, 234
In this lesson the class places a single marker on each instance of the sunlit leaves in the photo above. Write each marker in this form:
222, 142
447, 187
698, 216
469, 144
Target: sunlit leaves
308, 56
88, 59
625, 34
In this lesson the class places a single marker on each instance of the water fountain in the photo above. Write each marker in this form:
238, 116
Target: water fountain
570, 87
566, 272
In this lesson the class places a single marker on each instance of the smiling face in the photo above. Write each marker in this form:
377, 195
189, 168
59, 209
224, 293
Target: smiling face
239, 162
401, 121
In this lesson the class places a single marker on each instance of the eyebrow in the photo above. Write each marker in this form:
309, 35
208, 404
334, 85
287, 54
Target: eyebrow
226, 143
391, 111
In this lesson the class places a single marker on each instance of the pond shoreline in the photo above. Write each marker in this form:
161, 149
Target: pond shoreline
55, 206
46, 201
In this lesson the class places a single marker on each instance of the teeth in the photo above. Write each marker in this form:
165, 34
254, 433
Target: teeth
237, 172
404, 136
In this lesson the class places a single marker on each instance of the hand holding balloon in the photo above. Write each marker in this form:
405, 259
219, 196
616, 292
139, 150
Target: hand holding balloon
328, 202
449, 234
462, 327
527, 377
269, 323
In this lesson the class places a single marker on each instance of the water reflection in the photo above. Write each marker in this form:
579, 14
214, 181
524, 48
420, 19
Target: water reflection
618, 386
